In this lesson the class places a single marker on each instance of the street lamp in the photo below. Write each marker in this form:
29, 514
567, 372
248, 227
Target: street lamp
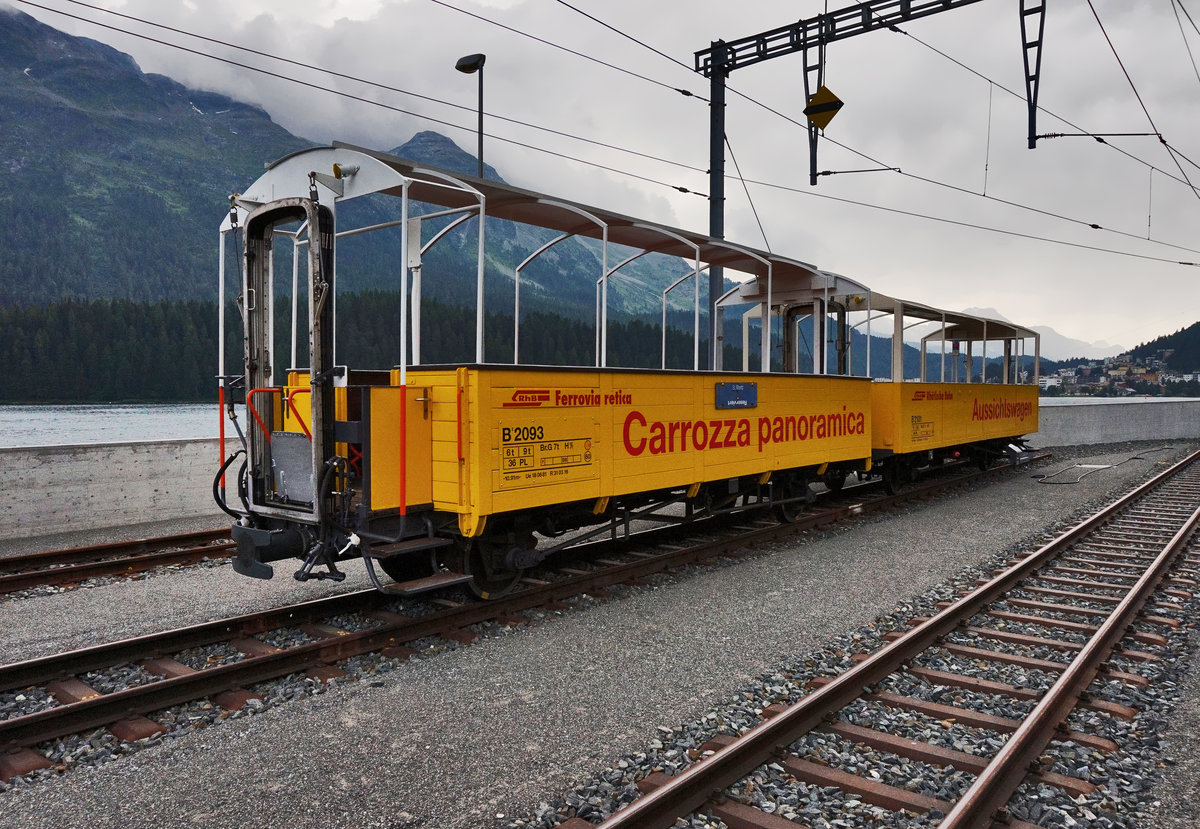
469, 64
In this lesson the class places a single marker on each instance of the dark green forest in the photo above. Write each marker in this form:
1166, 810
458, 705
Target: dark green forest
117, 350
1182, 349
123, 351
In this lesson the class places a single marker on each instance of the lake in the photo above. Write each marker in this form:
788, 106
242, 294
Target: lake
54, 425
49, 425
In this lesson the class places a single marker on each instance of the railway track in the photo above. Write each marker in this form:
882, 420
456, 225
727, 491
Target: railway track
120, 686
130, 558
1074, 628
119, 559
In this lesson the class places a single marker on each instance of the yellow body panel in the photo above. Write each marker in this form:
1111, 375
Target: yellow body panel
509, 439
912, 417
297, 417
385, 454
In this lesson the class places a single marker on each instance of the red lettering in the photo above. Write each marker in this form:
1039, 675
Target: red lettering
729, 435
658, 437
640, 446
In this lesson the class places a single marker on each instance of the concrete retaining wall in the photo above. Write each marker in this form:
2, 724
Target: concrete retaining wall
50, 489
1063, 423
62, 488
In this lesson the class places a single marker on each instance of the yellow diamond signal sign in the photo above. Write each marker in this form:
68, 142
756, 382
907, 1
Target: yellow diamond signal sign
822, 106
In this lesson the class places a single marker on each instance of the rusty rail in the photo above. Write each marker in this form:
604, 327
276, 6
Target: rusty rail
27, 570
691, 789
393, 629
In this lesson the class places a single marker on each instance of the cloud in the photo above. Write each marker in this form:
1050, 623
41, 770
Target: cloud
906, 106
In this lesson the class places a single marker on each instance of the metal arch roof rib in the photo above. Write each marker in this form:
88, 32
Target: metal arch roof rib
791, 279
288, 176
958, 325
503, 201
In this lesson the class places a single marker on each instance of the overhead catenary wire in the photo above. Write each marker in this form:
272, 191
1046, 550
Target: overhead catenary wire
624, 34
1138, 95
336, 74
972, 225
574, 52
608, 168
374, 103
753, 209
1041, 108
1175, 7
898, 170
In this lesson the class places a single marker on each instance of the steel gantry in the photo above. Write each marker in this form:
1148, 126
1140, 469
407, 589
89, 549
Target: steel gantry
810, 37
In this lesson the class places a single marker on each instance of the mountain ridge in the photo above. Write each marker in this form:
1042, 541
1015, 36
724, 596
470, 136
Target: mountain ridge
1058, 346
118, 179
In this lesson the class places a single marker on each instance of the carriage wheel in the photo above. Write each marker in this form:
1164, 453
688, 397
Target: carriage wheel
791, 512
834, 480
483, 559
895, 476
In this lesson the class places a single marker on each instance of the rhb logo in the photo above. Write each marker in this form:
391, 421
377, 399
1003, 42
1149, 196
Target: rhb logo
932, 395
527, 398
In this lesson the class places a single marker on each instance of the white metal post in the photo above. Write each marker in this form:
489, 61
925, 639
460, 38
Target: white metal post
479, 283
604, 298
221, 312
404, 285
898, 343
295, 295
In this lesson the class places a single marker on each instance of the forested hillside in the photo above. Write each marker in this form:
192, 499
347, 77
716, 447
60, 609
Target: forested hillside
166, 351
1183, 345
116, 183
114, 179
122, 351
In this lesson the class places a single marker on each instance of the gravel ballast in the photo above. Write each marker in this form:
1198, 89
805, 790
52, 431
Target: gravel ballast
479, 736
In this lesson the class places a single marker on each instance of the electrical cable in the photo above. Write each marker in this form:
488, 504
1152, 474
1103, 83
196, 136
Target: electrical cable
968, 191
971, 225
753, 209
353, 78
626, 172
361, 99
577, 54
1138, 95
897, 169
216, 486
1041, 108
1183, 34
625, 35
1090, 468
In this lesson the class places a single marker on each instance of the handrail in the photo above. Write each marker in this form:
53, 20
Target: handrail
250, 405
292, 405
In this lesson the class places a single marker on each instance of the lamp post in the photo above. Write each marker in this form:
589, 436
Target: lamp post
468, 65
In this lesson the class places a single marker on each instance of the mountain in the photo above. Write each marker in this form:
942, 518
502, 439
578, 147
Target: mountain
1181, 350
1056, 346
117, 181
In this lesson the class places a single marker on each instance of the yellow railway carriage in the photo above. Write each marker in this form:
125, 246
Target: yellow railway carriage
473, 472
922, 420
502, 452
919, 417
528, 439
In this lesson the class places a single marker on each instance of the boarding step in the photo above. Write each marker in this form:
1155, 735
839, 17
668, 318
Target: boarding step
424, 585
406, 547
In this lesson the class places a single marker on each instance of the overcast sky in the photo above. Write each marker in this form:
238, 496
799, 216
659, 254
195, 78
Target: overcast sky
906, 106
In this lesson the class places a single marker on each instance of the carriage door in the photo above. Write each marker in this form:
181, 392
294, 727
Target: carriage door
290, 428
